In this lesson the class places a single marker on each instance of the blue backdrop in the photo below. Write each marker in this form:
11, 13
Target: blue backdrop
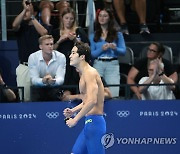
133, 127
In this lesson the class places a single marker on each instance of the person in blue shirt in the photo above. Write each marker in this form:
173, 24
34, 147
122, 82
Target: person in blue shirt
106, 45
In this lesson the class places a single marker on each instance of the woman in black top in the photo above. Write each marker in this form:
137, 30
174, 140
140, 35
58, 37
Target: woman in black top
65, 37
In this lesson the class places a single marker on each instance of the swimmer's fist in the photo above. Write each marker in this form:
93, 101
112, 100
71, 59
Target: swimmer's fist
71, 122
67, 112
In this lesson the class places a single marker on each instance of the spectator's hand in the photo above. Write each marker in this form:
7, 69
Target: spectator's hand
105, 46
51, 81
26, 5
63, 38
46, 78
112, 45
72, 36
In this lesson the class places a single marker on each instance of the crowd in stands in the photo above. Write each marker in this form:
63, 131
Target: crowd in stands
44, 49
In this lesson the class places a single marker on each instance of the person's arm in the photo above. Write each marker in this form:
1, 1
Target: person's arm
69, 112
17, 21
68, 97
174, 77
60, 40
107, 93
33, 71
169, 70
171, 79
39, 28
96, 47
120, 45
77, 108
60, 72
9, 94
167, 80
56, 44
148, 80
131, 80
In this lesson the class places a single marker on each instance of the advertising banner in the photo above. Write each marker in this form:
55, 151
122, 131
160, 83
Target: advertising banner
133, 127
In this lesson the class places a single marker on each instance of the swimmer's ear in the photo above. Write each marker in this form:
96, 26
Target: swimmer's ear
82, 57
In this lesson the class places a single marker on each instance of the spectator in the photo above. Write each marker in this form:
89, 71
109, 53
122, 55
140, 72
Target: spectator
140, 8
46, 7
47, 67
28, 30
156, 76
106, 45
65, 37
6, 94
139, 70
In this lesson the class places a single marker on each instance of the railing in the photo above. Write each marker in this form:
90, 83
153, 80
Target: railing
126, 87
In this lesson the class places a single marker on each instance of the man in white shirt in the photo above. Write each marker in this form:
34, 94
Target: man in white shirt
47, 66
156, 76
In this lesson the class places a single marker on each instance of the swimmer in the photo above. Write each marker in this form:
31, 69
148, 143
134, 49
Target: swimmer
91, 86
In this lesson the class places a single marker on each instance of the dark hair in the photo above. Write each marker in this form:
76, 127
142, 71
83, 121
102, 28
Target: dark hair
160, 47
83, 49
112, 32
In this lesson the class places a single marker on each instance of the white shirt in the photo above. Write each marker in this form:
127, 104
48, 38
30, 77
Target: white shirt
157, 92
38, 67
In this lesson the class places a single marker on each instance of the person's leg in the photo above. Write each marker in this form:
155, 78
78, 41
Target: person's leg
80, 145
140, 7
120, 11
61, 5
46, 7
95, 128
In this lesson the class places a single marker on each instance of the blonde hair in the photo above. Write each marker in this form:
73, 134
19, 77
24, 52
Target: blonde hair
45, 37
66, 11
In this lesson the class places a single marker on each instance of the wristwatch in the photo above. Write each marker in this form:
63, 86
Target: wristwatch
32, 17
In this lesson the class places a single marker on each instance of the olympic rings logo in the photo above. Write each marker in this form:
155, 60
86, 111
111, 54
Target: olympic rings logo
52, 115
122, 114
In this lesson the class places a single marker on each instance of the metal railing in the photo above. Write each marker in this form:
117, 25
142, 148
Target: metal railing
125, 87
